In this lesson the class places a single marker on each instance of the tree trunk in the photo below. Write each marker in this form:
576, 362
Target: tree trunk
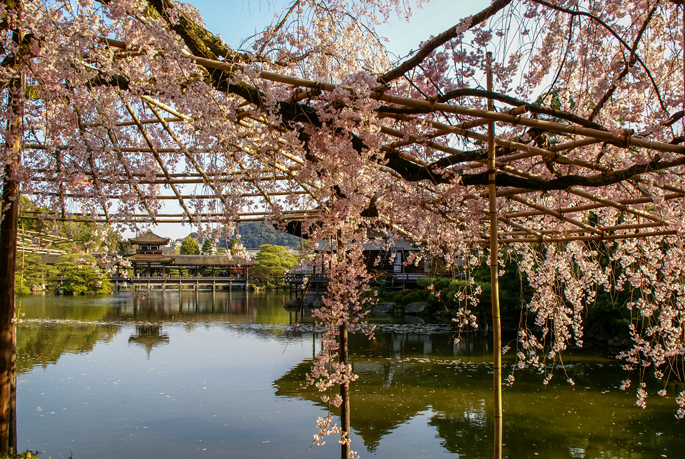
8, 261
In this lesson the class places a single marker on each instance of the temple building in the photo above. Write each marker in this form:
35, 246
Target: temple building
154, 258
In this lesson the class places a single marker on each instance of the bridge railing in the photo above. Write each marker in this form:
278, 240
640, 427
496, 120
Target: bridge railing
176, 279
292, 278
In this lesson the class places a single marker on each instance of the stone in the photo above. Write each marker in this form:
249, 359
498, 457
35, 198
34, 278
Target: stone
414, 308
383, 308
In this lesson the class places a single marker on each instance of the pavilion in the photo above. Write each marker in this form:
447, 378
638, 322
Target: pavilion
154, 258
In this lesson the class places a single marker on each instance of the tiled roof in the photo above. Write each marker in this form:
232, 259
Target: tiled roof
149, 258
149, 238
210, 260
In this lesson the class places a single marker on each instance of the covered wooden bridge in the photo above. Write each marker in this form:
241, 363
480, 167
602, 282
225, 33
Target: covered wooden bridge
156, 265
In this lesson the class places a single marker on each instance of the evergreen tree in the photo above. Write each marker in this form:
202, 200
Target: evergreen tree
79, 274
273, 261
207, 246
190, 246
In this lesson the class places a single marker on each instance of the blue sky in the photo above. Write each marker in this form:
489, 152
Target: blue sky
238, 19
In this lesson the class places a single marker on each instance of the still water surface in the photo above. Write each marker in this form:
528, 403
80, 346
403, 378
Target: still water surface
217, 376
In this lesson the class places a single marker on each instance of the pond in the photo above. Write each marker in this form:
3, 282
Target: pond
218, 376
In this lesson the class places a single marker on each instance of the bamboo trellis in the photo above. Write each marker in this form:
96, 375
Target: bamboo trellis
517, 205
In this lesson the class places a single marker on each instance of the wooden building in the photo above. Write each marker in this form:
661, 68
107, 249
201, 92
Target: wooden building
154, 258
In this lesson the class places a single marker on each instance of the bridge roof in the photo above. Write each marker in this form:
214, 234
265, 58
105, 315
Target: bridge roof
191, 260
149, 238
211, 260
149, 258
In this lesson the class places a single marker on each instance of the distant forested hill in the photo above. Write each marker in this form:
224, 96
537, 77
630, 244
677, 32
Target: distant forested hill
254, 234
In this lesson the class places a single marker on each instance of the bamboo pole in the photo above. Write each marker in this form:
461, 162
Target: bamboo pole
494, 276
162, 166
345, 447
625, 139
189, 157
188, 196
606, 237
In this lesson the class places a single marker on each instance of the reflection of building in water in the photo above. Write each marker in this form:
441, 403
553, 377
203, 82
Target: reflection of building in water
149, 336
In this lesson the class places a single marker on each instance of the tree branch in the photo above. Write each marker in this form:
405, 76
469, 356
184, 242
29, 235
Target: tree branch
441, 39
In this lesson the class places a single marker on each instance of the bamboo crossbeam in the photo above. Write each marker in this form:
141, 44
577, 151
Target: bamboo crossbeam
606, 228
624, 139
122, 159
188, 156
131, 123
150, 121
42, 235
433, 106
178, 182
165, 107
158, 158
606, 237
585, 207
556, 214
190, 196
571, 145
528, 150
584, 194
177, 215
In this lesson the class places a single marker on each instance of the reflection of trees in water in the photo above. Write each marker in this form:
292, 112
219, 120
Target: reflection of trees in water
45, 344
403, 375
205, 306
398, 380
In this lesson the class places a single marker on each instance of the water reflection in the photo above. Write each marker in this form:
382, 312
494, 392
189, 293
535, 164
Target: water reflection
405, 375
230, 367
149, 335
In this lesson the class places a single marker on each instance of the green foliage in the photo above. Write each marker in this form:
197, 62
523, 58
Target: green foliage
79, 274
190, 246
273, 262
31, 274
207, 246
231, 245
124, 246
83, 237
253, 235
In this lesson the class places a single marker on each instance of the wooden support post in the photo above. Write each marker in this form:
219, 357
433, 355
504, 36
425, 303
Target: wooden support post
8, 260
345, 448
494, 275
